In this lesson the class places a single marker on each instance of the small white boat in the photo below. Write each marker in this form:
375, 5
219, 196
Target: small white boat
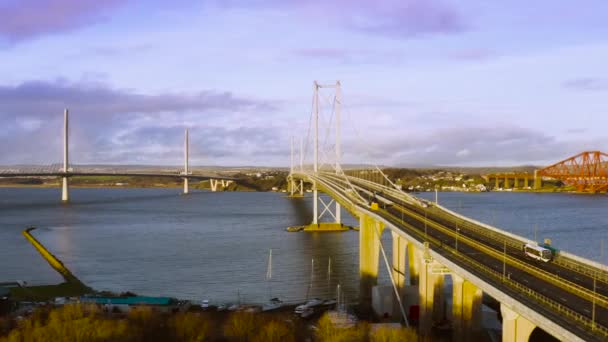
205, 304
309, 305
222, 307
273, 304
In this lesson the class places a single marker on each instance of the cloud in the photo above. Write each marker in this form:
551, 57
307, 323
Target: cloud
463, 153
25, 19
587, 84
109, 125
349, 56
467, 146
393, 18
99, 99
475, 55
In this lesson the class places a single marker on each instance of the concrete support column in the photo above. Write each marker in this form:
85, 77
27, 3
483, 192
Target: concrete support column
369, 257
496, 185
506, 185
466, 310
538, 183
338, 213
301, 187
399, 257
515, 183
515, 328
65, 190
186, 188
432, 301
526, 182
213, 184
413, 257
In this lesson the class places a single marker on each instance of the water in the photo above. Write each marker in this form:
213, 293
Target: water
215, 245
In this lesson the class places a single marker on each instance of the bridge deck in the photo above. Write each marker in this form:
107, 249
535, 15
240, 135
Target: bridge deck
559, 291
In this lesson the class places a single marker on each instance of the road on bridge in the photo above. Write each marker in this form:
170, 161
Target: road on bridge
508, 269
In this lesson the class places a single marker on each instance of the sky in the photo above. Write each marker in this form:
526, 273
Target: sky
423, 82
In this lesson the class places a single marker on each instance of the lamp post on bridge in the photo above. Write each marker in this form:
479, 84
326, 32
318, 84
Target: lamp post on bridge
504, 260
457, 233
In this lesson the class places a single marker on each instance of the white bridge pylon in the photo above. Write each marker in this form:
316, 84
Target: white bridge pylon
334, 101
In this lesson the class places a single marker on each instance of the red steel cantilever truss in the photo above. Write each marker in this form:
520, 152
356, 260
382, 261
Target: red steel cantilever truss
587, 171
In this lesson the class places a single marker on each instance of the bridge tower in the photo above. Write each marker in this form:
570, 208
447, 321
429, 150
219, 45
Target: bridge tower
65, 195
336, 215
296, 188
186, 189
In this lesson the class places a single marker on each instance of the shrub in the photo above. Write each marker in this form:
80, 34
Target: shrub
329, 332
275, 331
386, 334
189, 327
241, 325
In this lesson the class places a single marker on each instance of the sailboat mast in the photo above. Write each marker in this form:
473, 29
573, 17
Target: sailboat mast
269, 274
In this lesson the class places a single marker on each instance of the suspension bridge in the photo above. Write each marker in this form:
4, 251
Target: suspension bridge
65, 170
566, 297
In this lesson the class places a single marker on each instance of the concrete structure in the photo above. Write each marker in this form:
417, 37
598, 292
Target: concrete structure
512, 180
515, 327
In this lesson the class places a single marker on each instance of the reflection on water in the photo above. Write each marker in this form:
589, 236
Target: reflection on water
215, 245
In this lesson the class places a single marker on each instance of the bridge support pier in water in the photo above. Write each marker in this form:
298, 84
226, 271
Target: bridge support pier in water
515, 328
538, 183
65, 190
466, 309
370, 231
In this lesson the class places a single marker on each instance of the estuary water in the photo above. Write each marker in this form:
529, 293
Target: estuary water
215, 245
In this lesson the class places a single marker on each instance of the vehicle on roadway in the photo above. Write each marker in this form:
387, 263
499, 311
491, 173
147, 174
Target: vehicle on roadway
538, 252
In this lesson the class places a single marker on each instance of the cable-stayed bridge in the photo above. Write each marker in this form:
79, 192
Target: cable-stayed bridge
65, 170
566, 297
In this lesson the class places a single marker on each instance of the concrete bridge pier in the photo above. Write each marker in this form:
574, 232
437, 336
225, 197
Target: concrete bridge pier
65, 190
526, 182
466, 310
515, 328
496, 185
213, 184
399, 267
506, 185
414, 256
370, 231
186, 188
515, 182
538, 183
432, 298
